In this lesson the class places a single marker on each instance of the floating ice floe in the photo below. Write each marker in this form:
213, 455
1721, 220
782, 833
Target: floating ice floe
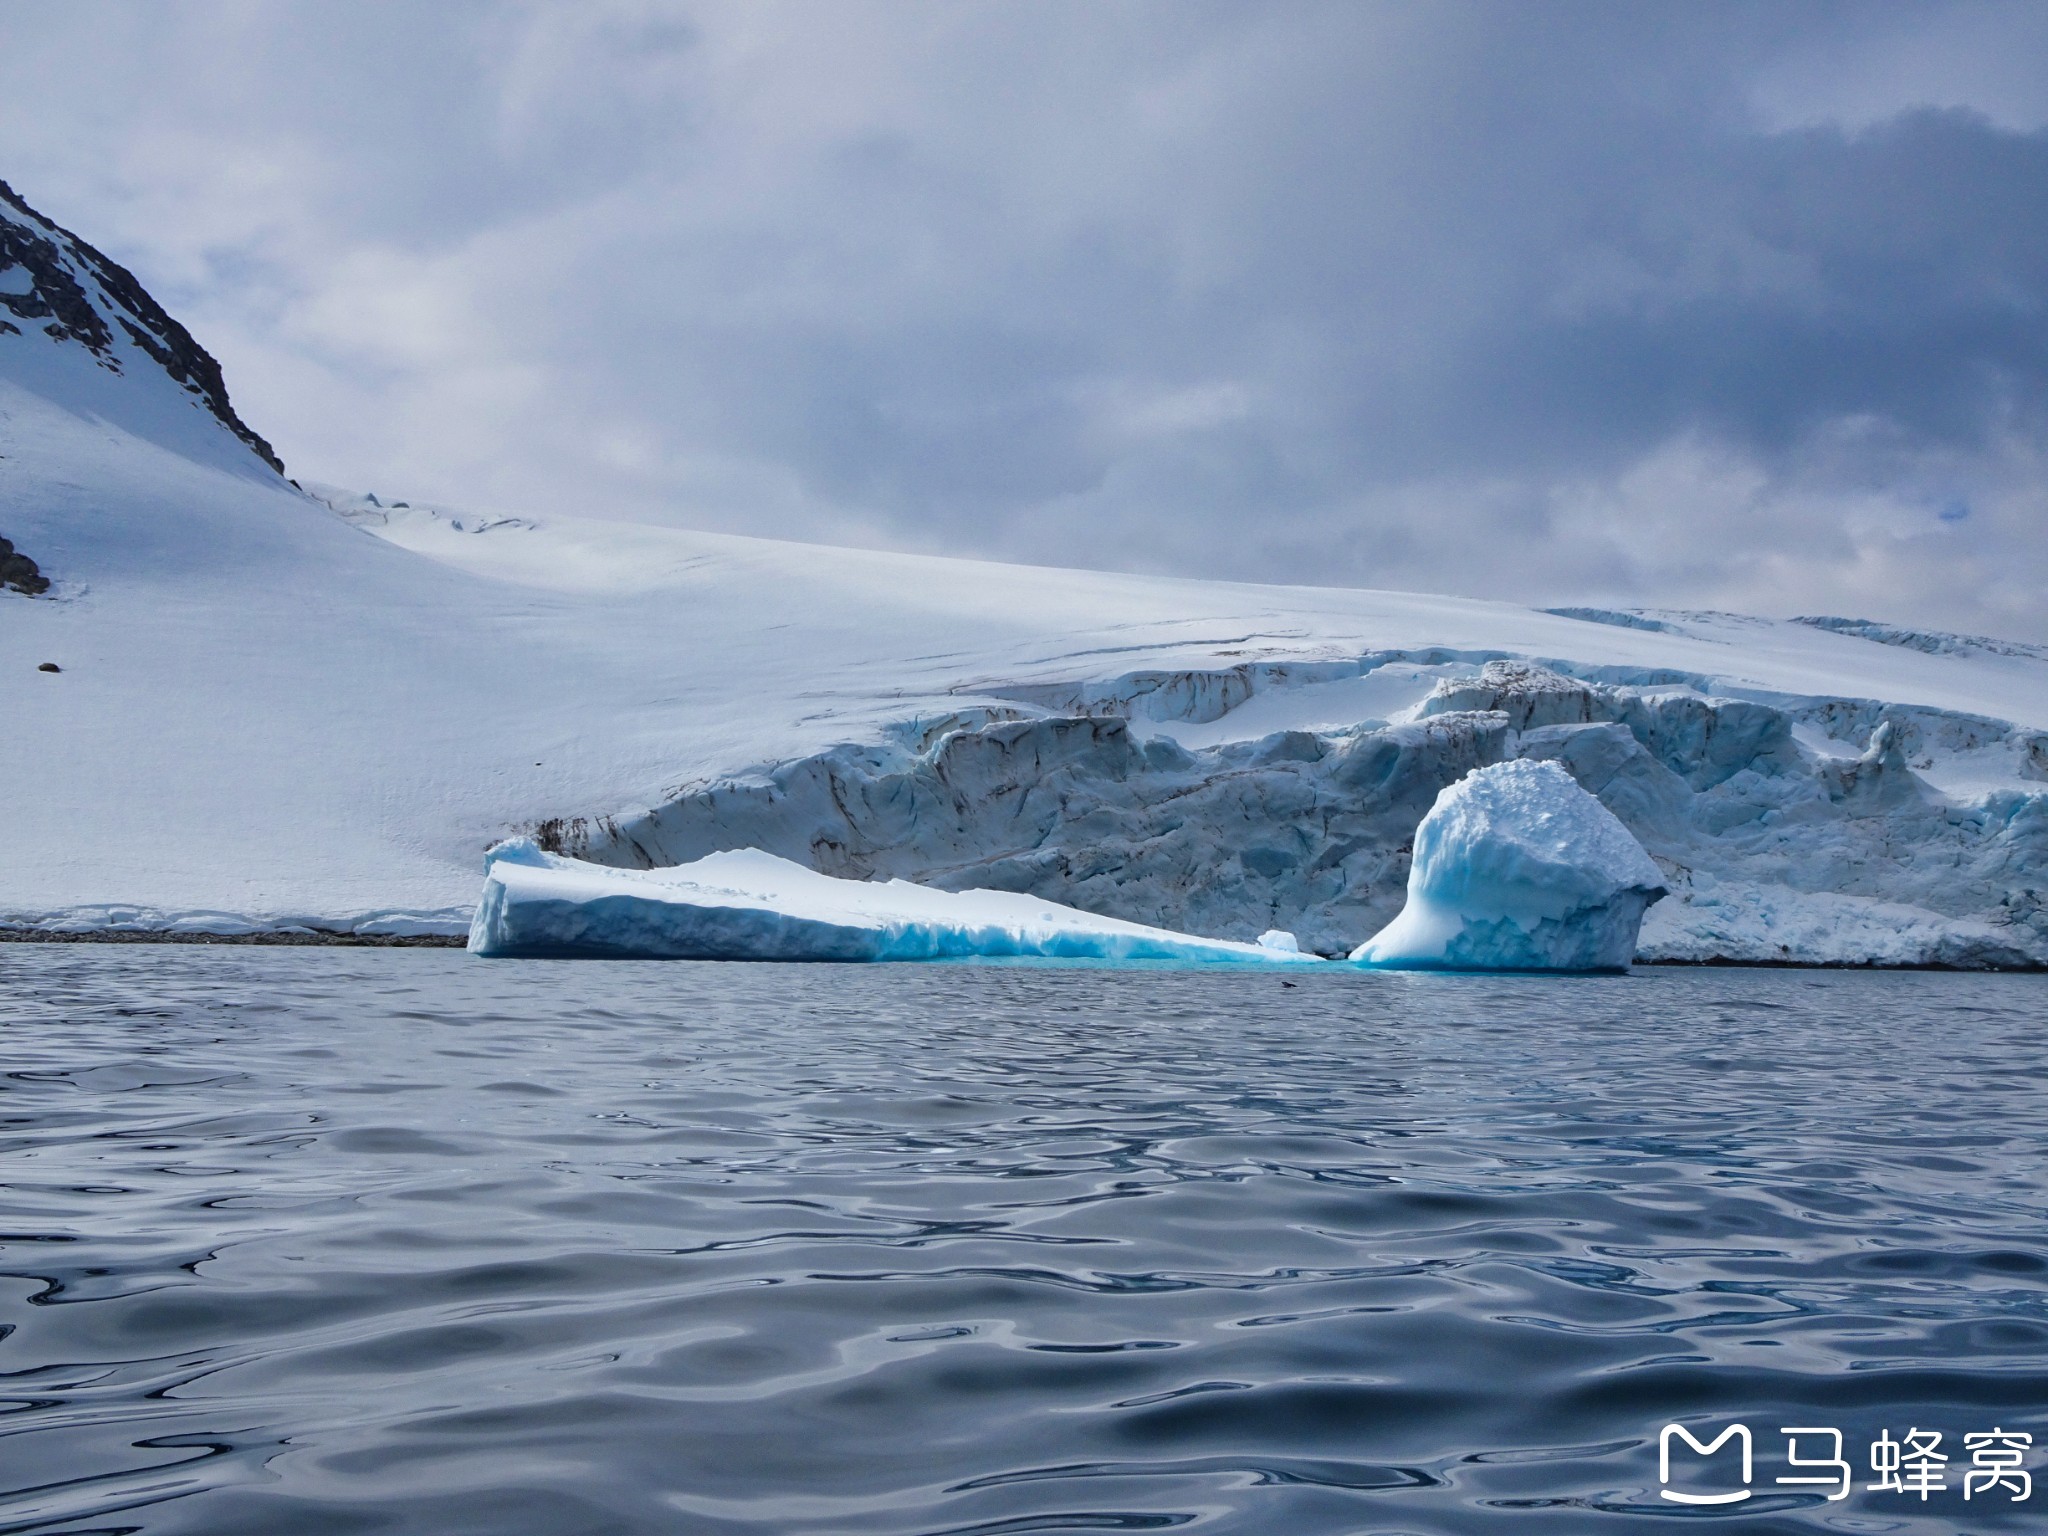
1516, 868
749, 905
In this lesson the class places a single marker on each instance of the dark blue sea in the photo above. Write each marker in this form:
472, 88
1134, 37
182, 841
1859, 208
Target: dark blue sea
312, 1241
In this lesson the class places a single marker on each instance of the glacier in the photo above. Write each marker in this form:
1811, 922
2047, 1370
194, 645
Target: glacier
1790, 829
279, 708
749, 905
1516, 868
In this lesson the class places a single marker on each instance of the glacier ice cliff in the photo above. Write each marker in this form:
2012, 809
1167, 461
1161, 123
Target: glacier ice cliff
1788, 829
749, 905
1516, 868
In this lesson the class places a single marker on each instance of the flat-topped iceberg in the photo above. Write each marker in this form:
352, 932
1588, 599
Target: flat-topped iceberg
749, 905
1516, 868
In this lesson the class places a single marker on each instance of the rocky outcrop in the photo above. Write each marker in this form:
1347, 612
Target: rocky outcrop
74, 294
20, 574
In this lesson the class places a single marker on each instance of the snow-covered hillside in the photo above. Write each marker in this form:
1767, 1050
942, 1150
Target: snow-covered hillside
275, 708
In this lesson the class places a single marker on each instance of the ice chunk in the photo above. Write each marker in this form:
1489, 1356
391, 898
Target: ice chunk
1280, 941
749, 905
1516, 868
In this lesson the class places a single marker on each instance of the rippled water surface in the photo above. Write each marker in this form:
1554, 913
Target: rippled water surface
352, 1241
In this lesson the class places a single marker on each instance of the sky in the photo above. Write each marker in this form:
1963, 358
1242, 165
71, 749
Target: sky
1730, 306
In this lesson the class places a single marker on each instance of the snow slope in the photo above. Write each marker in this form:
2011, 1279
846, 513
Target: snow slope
276, 709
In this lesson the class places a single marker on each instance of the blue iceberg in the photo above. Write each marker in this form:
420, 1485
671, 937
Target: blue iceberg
1517, 868
749, 905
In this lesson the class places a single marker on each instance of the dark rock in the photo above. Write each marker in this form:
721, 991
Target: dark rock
297, 938
55, 259
18, 573
49, 666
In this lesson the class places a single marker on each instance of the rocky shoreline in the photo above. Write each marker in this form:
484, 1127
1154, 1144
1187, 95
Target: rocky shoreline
304, 939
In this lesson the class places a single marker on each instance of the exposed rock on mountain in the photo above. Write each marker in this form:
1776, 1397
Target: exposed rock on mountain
54, 283
18, 573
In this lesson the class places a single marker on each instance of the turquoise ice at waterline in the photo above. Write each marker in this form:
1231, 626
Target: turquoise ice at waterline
750, 905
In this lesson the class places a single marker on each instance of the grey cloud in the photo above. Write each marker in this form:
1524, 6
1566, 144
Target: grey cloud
1570, 303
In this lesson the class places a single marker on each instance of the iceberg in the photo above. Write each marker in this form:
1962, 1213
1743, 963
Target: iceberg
750, 905
1516, 868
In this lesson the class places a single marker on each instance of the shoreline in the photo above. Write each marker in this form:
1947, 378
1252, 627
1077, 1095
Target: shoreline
305, 939
318, 939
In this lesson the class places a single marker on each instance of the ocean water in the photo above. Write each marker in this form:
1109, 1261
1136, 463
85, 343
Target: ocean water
396, 1241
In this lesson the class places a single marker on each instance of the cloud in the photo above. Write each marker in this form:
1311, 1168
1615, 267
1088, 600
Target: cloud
1725, 306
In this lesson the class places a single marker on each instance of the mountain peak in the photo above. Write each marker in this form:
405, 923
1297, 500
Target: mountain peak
54, 282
